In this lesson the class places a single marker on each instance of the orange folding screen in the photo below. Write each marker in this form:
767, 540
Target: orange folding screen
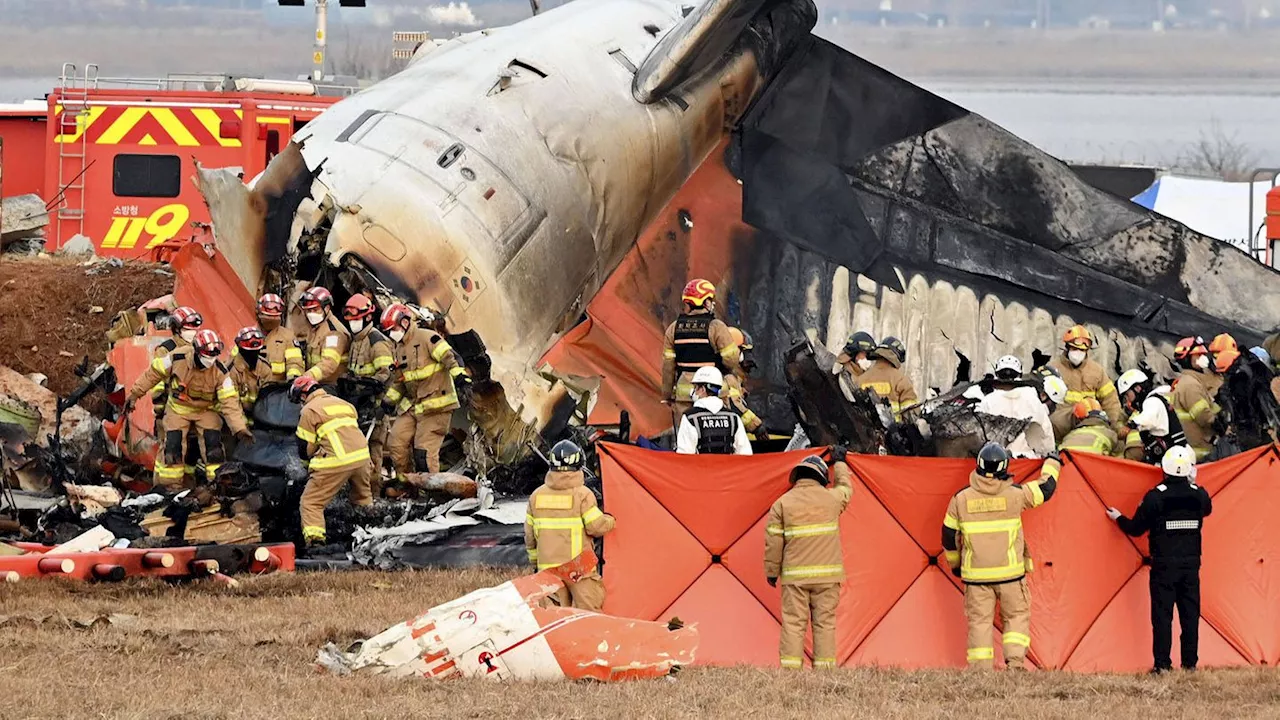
690, 543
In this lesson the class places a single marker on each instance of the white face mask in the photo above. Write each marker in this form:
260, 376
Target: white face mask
315, 318
1075, 357
396, 335
1202, 362
357, 326
865, 363
204, 361
189, 335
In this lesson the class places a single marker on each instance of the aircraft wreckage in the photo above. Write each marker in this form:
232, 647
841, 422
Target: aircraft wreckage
589, 160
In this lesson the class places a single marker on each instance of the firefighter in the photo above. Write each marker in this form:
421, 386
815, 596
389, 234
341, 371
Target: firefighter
1173, 512
886, 378
1013, 397
184, 323
1223, 350
1193, 400
250, 370
735, 394
329, 436
370, 360
283, 353
199, 395
983, 539
695, 340
710, 428
560, 513
1092, 433
802, 550
327, 341
424, 391
1152, 416
855, 359
1085, 379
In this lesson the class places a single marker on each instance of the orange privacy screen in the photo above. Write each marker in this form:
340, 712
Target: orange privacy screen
690, 543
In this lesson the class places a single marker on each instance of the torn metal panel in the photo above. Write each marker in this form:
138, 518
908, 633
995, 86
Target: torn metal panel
510, 632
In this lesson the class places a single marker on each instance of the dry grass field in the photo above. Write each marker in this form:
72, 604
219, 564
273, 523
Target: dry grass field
210, 651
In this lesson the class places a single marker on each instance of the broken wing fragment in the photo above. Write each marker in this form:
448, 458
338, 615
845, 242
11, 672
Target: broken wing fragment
505, 632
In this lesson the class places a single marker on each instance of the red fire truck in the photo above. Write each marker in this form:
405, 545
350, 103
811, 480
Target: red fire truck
116, 159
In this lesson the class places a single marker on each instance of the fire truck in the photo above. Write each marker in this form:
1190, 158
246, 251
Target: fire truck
115, 158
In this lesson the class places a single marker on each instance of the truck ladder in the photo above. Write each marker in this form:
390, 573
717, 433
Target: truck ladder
73, 157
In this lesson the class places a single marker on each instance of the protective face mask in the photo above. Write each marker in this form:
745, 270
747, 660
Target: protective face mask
356, 326
396, 335
250, 356
1202, 362
315, 318
268, 323
865, 363
203, 361
1075, 357
189, 335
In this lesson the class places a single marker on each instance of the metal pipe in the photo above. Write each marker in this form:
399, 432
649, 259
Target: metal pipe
1251, 233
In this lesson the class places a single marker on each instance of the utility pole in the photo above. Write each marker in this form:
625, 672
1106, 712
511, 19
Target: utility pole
322, 31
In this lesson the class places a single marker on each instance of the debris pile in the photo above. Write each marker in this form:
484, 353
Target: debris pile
23, 219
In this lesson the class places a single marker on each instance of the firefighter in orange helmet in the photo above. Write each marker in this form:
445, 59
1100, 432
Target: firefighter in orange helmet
1085, 379
802, 550
1223, 350
735, 394
983, 541
338, 455
250, 370
283, 354
1193, 400
423, 393
561, 518
328, 341
198, 394
1092, 433
696, 339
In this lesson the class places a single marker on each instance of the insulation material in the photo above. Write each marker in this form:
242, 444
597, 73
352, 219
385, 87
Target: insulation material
690, 541
510, 632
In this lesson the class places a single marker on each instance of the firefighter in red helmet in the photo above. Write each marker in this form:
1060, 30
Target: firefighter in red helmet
695, 340
282, 351
328, 340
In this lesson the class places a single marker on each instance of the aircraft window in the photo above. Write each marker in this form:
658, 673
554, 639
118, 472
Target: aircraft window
146, 176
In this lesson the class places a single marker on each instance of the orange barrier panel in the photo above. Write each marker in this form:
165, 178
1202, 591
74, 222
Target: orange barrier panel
690, 542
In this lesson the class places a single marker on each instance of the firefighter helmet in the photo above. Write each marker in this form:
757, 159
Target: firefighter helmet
1078, 337
1130, 379
1008, 367
302, 388
358, 307
566, 455
1085, 407
697, 292
708, 376
186, 318
1178, 461
1188, 347
1222, 361
895, 346
271, 305
859, 342
1055, 388
208, 344
250, 339
812, 467
740, 338
316, 298
993, 461
1223, 343
395, 315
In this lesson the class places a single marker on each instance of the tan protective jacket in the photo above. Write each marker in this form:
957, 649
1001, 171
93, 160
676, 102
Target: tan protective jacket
328, 425
192, 390
890, 383
249, 380
678, 388
561, 514
425, 369
987, 518
371, 355
735, 398
328, 345
1087, 381
1092, 435
802, 535
1196, 409
283, 355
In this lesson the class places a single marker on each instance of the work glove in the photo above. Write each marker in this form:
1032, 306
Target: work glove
1055, 456
245, 436
957, 572
762, 433
129, 403
1113, 513
839, 453
773, 581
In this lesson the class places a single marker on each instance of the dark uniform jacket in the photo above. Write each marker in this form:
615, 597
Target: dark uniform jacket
1173, 512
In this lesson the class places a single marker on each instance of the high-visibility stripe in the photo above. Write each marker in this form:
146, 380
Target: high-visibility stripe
824, 663
791, 662
1013, 566
435, 403
573, 523
1037, 495
278, 368
1181, 524
1088, 439
553, 501
533, 555
950, 521
331, 354
773, 530
592, 515
383, 361
330, 426
1016, 638
810, 530
981, 653
1106, 390
1075, 396
311, 533
669, 354
422, 373
455, 372
1004, 572
293, 353
334, 461
974, 527
952, 557
393, 395
439, 351
730, 352
305, 434
336, 410
811, 571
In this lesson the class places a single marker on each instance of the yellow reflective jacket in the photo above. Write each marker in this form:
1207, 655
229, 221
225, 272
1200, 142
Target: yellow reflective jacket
1088, 381
1092, 435
190, 389
328, 345
1196, 409
802, 534
890, 383
328, 425
249, 380
982, 531
424, 373
561, 514
283, 354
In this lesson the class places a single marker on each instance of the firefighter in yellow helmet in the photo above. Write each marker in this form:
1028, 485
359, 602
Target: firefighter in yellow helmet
338, 454
802, 549
1085, 379
983, 540
561, 519
735, 394
695, 340
1193, 395
886, 378
1092, 433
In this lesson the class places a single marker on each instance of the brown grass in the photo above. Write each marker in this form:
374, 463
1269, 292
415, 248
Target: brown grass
208, 651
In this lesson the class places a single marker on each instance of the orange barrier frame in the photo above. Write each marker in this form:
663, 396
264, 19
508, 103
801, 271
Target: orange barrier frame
115, 564
689, 542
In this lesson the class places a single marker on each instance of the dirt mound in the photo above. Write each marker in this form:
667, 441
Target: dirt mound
46, 309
